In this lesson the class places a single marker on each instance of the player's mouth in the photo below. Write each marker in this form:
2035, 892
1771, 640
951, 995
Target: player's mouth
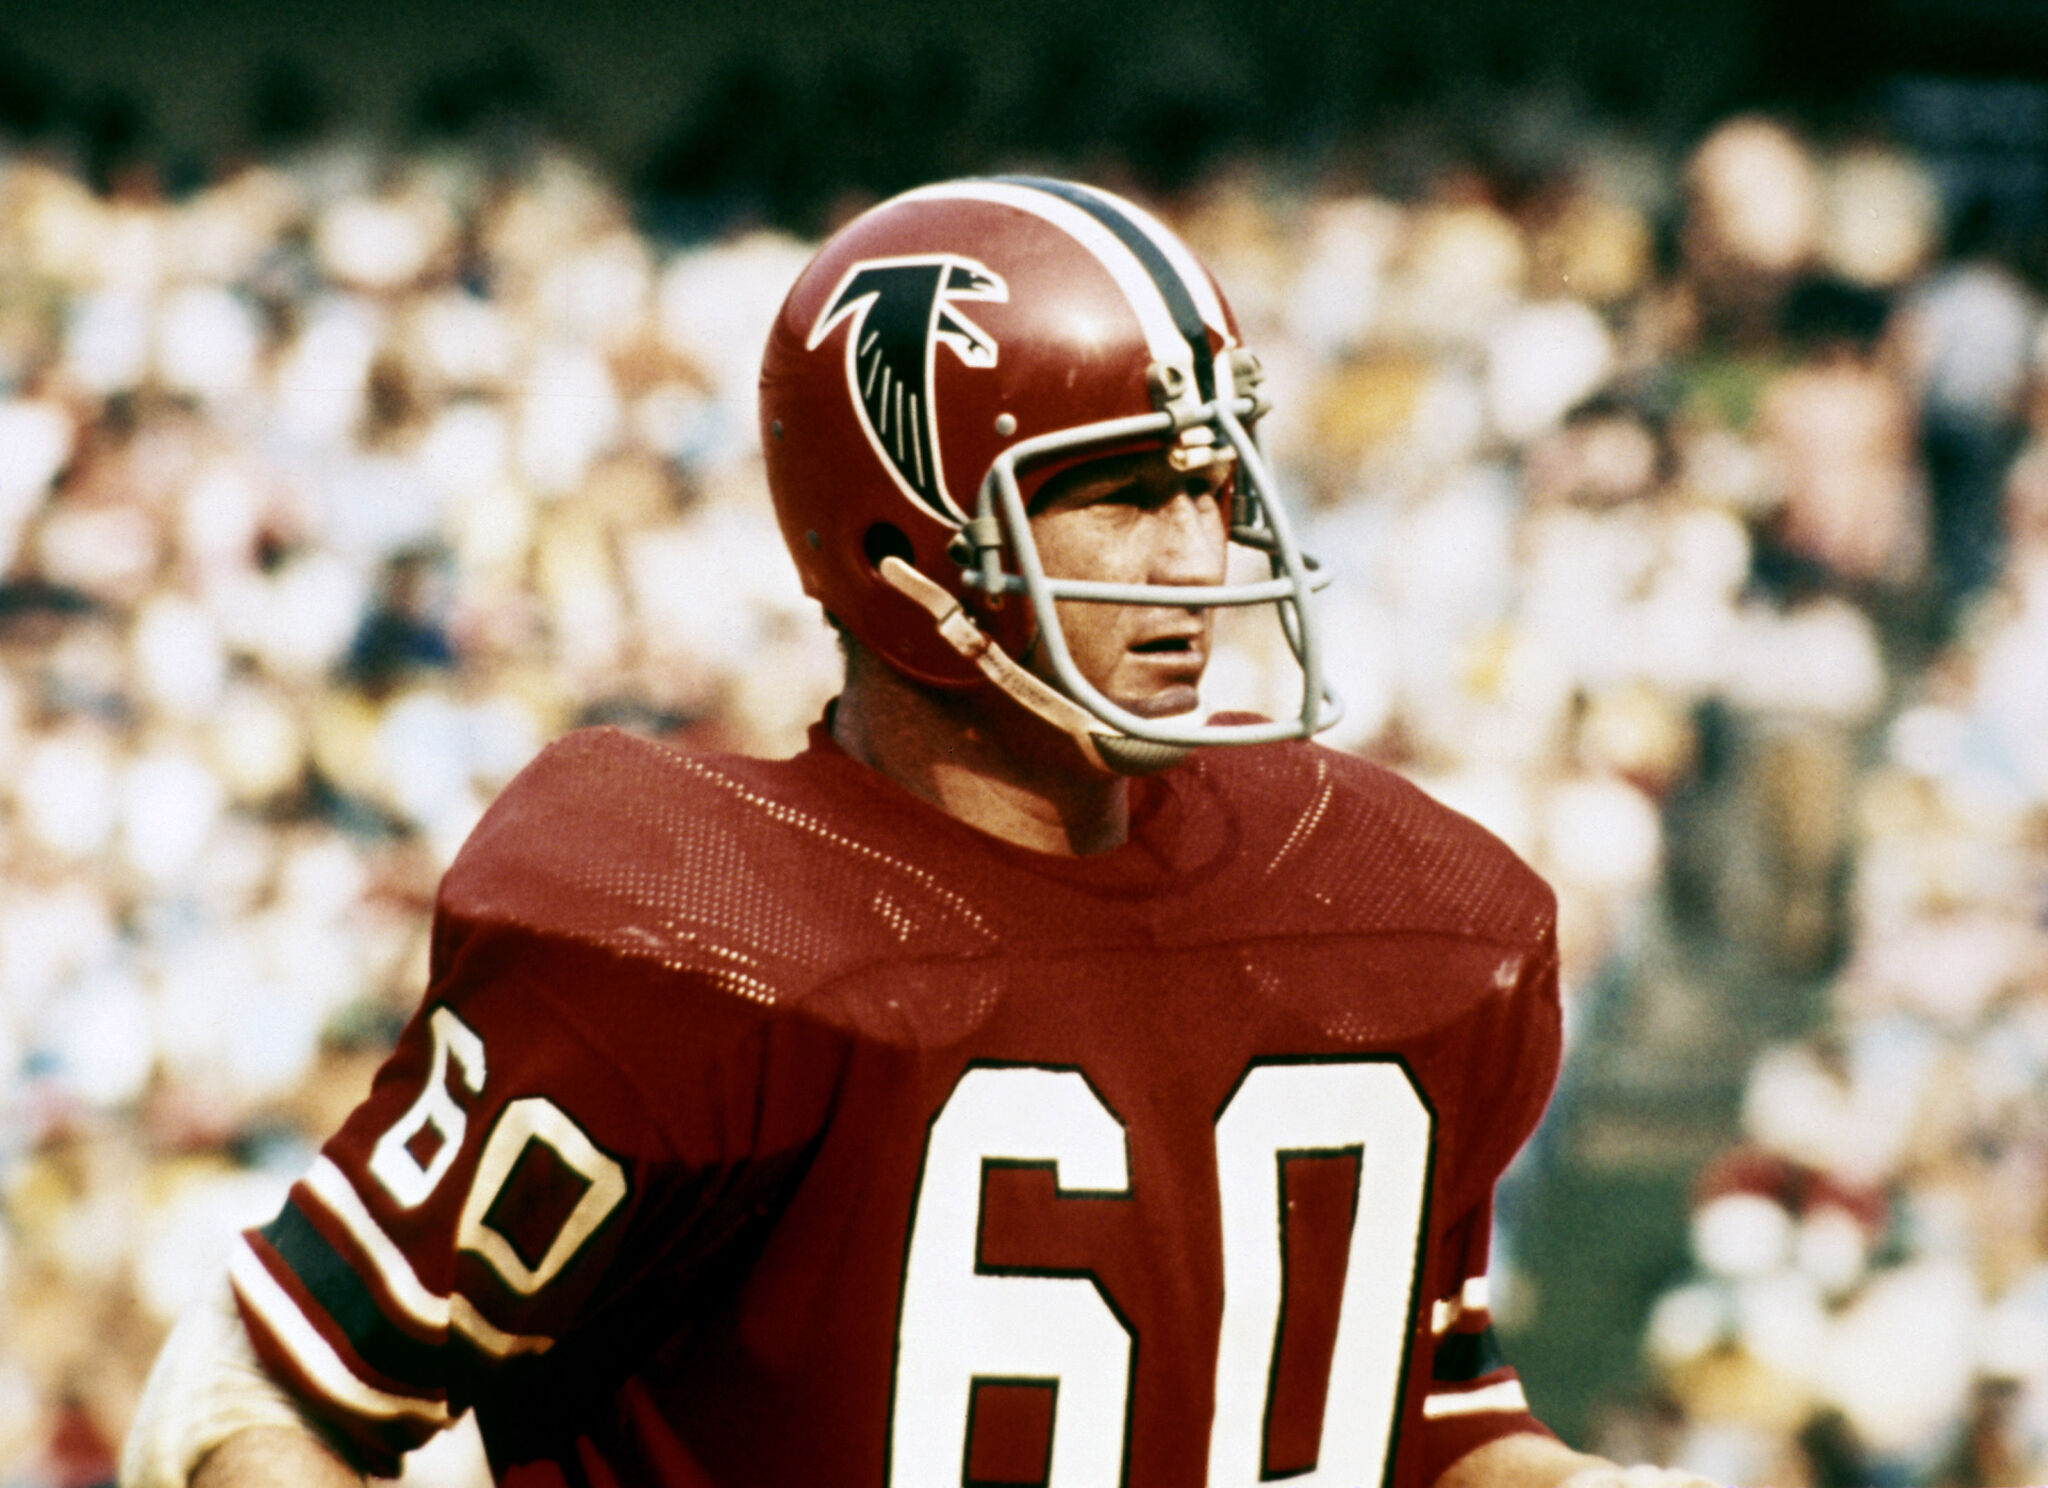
1169, 645
1166, 670
1173, 659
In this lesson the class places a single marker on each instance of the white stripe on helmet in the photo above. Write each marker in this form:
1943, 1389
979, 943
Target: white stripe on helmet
1177, 253
1162, 335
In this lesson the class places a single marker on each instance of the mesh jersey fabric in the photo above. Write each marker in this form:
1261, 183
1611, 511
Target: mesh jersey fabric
644, 1179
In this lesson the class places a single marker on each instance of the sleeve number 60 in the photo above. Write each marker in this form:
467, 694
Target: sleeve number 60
959, 1323
529, 1119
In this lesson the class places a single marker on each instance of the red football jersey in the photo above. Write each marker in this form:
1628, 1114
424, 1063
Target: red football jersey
764, 1125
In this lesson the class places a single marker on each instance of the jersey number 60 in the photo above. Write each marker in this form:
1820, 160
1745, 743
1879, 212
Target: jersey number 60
961, 1323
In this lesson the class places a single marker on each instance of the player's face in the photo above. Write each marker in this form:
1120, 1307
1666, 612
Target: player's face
1134, 519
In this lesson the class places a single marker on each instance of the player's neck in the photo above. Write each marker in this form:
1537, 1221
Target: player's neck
980, 760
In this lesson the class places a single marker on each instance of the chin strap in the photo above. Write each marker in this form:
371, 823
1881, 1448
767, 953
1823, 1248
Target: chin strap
1109, 751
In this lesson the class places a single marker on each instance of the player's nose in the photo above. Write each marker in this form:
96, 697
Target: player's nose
1189, 545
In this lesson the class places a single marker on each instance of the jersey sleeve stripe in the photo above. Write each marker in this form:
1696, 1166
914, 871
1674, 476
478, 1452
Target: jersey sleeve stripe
1462, 1358
486, 1335
1503, 1396
348, 1300
326, 1183
330, 1187
1473, 1297
314, 1356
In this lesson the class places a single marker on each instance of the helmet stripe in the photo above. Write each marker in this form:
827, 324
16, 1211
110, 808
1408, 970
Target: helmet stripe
1191, 272
1164, 331
1149, 247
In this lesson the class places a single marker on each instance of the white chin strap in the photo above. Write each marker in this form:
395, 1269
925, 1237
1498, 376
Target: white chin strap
1106, 749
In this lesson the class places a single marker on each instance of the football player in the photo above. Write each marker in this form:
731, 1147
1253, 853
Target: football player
1030, 1083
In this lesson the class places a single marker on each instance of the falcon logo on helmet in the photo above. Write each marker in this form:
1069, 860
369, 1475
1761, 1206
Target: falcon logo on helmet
898, 312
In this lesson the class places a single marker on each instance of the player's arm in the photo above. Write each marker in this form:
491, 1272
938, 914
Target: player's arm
1528, 1460
1470, 1372
272, 1457
212, 1416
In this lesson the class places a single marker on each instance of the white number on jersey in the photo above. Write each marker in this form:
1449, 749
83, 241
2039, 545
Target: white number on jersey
960, 1324
525, 1121
392, 1163
535, 1118
1373, 1109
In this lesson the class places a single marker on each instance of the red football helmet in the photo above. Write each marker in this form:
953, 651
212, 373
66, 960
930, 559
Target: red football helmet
939, 359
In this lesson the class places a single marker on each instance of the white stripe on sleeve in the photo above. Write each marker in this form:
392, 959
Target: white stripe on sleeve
1503, 1396
431, 1311
259, 1290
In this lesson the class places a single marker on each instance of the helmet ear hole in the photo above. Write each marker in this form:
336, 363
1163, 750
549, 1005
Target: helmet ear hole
886, 540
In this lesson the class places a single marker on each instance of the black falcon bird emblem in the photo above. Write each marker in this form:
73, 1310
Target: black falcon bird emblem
899, 310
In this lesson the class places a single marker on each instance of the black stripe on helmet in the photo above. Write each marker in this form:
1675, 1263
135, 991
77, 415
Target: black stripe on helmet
1180, 302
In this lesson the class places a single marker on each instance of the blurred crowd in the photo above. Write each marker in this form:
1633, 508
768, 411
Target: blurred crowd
333, 487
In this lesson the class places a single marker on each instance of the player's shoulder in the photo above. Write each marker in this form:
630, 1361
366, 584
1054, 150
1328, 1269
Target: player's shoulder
602, 796
1358, 837
646, 850
605, 789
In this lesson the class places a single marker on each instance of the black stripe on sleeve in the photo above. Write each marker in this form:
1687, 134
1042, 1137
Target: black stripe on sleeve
1464, 1357
1180, 302
346, 1297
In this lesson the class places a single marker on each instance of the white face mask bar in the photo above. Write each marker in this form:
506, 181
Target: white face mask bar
1258, 522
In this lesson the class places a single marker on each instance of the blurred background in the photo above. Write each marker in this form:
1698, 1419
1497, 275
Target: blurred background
1667, 383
